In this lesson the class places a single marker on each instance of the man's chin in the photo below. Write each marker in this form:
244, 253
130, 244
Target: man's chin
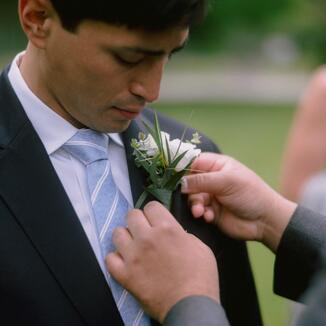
114, 127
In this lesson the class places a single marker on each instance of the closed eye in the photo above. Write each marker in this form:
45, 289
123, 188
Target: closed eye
128, 62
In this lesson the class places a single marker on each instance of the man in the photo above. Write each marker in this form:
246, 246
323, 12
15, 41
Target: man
69, 107
244, 207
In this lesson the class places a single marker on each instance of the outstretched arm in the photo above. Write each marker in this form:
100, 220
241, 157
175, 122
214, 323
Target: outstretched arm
245, 207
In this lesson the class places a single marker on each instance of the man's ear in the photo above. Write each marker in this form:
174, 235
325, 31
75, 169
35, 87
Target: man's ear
35, 18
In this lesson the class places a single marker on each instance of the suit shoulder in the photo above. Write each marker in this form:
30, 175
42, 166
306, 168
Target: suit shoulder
176, 129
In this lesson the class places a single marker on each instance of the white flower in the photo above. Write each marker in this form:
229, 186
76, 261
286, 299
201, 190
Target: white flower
177, 149
148, 145
165, 161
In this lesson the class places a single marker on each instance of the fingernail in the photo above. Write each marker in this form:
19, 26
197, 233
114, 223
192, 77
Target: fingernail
184, 184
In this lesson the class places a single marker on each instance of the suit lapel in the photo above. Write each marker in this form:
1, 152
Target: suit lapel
137, 175
33, 192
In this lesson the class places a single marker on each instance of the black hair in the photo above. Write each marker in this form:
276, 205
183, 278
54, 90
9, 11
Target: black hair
149, 15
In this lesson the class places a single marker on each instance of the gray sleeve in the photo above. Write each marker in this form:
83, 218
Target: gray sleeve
297, 257
196, 311
315, 312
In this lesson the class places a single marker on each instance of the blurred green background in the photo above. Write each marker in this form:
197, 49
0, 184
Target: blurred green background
245, 46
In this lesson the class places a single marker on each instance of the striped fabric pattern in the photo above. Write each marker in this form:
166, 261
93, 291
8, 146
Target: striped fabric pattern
110, 208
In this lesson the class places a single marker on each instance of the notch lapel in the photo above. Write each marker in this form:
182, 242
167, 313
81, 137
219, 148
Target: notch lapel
137, 175
33, 192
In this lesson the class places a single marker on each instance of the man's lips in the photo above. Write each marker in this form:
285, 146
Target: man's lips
129, 113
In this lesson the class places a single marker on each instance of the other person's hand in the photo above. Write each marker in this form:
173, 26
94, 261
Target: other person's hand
160, 263
231, 195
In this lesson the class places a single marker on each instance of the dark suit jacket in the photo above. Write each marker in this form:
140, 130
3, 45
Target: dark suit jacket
48, 272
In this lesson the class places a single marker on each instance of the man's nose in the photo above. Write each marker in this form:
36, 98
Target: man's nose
147, 83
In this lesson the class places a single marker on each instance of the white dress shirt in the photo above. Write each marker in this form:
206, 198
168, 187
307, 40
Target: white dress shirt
54, 131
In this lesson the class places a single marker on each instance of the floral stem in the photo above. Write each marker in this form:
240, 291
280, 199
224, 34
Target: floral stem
141, 199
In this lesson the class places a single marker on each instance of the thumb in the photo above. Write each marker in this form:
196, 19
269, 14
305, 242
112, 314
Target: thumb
211, 182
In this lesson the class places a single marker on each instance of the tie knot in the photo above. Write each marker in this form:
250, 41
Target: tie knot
88, 146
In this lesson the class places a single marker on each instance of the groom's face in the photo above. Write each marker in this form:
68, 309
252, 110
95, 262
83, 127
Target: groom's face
101, 76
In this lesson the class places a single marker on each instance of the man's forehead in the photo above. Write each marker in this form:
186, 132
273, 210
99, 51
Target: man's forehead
148, 43
153, 52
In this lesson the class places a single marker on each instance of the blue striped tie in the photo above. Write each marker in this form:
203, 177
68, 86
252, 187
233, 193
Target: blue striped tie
110, 208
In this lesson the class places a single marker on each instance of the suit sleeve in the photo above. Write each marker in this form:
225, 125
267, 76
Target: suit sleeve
315, 297
297, 257
196, 310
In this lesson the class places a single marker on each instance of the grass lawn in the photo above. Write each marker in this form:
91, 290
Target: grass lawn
255, 135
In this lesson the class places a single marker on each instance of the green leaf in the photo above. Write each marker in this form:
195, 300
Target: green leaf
174, 180
148, 128
162, 195
154, 169
170, 171
168, 150
181, 140
158, 133
177, 160
141, 199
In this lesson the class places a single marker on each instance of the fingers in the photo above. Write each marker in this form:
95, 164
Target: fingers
158, 215
203, 205
116, 266
211, 182
209, 215
209, 162
137, 223
208, 174
198, 202
122, 240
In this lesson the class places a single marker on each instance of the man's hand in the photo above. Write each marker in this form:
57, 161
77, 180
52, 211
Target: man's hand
237, 200
160, 263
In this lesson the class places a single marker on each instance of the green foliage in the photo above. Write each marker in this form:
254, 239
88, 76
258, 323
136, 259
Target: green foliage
12, 38
164, 177
309, 28
232, 16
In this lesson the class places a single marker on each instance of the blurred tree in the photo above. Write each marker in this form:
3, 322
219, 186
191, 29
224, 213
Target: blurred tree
230, 17
309, 28
11, 36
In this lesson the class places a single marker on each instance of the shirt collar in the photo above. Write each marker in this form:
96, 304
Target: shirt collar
53, 130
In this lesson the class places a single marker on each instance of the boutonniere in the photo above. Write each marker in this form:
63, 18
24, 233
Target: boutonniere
166, 161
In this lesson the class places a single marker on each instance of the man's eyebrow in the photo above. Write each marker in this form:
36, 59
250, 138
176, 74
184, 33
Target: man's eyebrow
155, 53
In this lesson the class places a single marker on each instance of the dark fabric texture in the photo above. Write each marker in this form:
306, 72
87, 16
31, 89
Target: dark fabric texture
48, 272
315, 298
298, 255
194, 311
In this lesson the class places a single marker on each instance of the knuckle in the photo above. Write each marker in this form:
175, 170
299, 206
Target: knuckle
117, 233
135, 259
146, 241
134, 213
167, 230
